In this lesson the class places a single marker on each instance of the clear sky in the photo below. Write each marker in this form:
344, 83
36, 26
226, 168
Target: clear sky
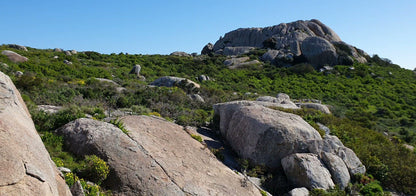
383, 27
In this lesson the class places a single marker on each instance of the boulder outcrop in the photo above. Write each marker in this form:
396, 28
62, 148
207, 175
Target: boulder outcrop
285, 142
309, 41
18, 47
180, 53
25, 165
157, 157
207, 50
170, 81
14, 57
305, 169
317, 106
261, 134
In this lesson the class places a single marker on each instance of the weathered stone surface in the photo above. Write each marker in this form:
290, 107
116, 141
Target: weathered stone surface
280, 102
14, 57
351, 160
51, 109
170, 81
235, 51
133, 170
234, 61
207, 50
18, 47
179, 53
67, 62
305, 169
136, 70
25, 165
319, 51
68, 53
337, 168
57, 50
299, 192
309, 38
261, 134
105, 80
157, 158
77, 189
323, 108
188, 163
202, 78
73, 52
197, 97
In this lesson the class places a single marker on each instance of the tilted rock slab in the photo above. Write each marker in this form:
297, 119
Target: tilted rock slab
157, 158
14, 57
25, 165
261, 134
305, 169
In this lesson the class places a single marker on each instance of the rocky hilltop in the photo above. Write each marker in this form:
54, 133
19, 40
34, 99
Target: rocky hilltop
290, 43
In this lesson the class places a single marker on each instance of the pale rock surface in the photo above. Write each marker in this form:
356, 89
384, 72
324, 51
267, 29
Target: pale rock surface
51, 109
235, 51
25, 165
321, 107
186, 161
337, 168
180, 53
170, 81
18, 47
136, 70
261, 134
207, 49
305, 169
14, 57
319, 51
299, 192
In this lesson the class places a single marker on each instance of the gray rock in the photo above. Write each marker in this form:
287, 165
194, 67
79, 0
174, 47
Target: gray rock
305, 169
64, 170
156, 158
57, 50
18, 74
67, 53
351, 160
235, 51
67, 62
170, 81
261, 134
197, 98
14, 57
179, 53
270, 55
325, 128
234, 61
296, 38
207, 50
51, 109
246, 64
337, 168
410, 147
76, 189
56, 57
299, 192
74, 52
319, 51
4, 65
280, 102
25, 165
136, 70
18, 47
323, 108
202, 78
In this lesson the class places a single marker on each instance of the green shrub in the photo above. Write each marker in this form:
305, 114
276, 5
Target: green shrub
372, 189
95, 169
120, 125
197, 137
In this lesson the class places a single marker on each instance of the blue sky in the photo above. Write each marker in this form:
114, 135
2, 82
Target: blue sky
382, 27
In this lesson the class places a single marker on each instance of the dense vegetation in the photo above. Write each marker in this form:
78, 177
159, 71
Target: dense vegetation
374, 104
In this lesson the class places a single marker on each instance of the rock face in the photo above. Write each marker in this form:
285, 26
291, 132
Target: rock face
207, 50
179, 53
25, 165
286, 42
286, 143
299, 192
14, 57
170, 81
18, 47
323, 108
305, 169
263, 135
157, 158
